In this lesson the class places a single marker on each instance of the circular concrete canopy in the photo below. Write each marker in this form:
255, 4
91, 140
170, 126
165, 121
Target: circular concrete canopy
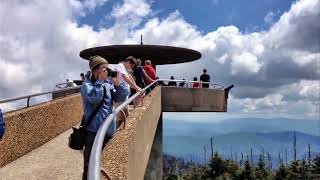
157, 54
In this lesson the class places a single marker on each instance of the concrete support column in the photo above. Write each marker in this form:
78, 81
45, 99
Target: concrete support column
154, 168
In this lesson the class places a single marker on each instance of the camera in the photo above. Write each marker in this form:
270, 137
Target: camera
112, 73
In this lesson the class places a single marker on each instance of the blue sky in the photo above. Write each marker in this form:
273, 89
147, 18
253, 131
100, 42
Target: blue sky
208, 15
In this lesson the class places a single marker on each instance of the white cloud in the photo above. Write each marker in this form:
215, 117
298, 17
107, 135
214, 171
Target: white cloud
269, 18
274, 71
245, 63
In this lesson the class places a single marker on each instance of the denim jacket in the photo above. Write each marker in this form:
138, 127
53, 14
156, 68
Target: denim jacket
92, 95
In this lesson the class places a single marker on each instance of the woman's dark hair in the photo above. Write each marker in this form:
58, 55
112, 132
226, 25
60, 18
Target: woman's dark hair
171, 77
132, 60
195, 79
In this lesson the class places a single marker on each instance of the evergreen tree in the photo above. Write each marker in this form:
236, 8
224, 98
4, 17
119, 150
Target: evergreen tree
172, 177
282, 173
247, 172
295, 170
261, 172
232, 169
305, 173
315, 167
225, 176
216, 167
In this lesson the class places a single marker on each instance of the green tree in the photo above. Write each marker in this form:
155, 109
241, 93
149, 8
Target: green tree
282, 173
232, 169
247, 172
295, 170
315, 167
305, 172
172, 177
261, 173
216, 167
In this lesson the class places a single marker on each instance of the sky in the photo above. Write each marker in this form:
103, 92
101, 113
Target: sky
269, 49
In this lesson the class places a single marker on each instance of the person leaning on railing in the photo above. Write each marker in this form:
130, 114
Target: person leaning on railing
1, 125
126, 81
95, 91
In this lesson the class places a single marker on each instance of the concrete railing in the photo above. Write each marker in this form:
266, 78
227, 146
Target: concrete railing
29, 128
55, 94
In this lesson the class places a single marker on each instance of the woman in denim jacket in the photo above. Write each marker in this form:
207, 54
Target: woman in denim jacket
92, 92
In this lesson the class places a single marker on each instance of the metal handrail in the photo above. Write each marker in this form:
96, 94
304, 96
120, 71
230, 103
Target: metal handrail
215, 86
33, 95
95, 155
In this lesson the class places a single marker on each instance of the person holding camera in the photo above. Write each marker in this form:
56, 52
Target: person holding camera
97, 98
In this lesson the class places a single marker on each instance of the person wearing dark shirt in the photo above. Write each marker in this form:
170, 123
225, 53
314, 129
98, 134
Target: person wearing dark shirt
205, 78
140, 76
172, 83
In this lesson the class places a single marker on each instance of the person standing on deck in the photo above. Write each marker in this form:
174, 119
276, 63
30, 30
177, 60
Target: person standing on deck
205, 78
172, 83
195, 84
151, 72
141, 77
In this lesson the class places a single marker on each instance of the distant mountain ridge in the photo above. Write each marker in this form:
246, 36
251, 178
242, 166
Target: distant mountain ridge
259, 125
237, 142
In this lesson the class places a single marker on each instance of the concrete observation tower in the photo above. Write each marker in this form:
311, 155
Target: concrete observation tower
133, 153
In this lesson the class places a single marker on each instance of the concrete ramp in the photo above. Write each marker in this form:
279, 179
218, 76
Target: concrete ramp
52, 161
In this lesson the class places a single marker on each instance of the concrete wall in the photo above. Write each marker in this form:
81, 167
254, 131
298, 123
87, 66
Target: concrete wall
178, 99
29, 128
154, 169
127, 153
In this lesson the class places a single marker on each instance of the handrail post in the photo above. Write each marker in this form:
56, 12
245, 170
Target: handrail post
28, 101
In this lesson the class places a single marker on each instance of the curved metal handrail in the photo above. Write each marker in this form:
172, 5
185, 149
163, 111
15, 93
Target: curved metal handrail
95, 155
33, 95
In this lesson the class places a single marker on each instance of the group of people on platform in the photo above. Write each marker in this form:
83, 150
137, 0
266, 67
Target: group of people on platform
204, 81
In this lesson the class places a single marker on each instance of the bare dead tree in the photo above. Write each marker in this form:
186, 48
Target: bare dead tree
241, 161
251, 157
211, 139
231, 153
236, 156
270, 162
286, 156
280, 160
295, 145
205, 155
309, 155
262, 154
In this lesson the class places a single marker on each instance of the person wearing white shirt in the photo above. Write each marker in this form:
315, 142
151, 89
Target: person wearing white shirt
126, 81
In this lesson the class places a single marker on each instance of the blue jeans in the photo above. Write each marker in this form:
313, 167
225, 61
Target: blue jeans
1, 130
